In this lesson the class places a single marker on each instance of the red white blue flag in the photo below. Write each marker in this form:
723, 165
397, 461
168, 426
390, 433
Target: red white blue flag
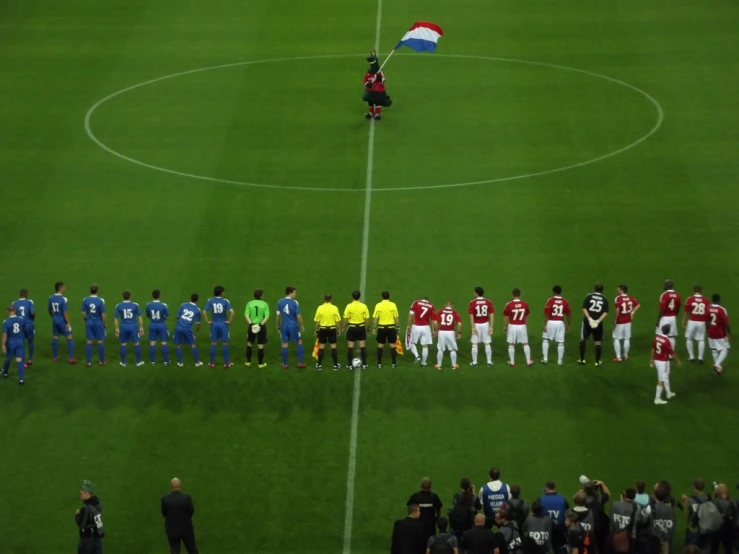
422, 37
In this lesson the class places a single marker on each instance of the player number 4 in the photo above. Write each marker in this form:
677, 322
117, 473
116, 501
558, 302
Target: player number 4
671, 305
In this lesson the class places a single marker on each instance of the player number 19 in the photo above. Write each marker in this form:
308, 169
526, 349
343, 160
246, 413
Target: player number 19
217, 308
447, 319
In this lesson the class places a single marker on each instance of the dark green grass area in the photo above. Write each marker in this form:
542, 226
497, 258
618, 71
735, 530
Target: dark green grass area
265, 452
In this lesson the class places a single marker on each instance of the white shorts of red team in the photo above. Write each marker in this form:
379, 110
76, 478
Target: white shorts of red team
696, 330
517, 334
663, 370
555, 331
483, 334
622, 331
668, 320
719, 344
422, 334
447, 341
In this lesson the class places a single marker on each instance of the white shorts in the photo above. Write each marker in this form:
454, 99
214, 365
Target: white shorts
447, 341
555, 331
663, 370
482, 334
622, 331
672, 322
422, 334
696, 330
719, 344
517, 334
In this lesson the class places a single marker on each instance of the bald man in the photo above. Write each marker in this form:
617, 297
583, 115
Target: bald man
479, 540
177, 509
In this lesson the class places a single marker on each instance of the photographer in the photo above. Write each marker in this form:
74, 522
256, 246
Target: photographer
538, 526
89, 521
598, 495
662, 520
693, 535
556, 506
728, 509
586, 520
465, 506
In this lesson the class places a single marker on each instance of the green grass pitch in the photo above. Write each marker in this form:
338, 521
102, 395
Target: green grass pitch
265, 452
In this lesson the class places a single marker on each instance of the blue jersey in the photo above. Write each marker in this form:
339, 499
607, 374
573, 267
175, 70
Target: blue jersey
57, 307
289, 311
25, 309
157, 312
94, 308
218, 308
13, 329
188, 314
127, 312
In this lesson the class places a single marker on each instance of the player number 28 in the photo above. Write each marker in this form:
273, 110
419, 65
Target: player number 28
699, 309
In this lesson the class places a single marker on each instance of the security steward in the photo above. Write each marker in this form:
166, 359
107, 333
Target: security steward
386, 327
328, 320
89, 521
356, 319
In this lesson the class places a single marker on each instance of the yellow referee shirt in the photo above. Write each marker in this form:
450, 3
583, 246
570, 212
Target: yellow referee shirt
356, 313
385, 312
327, 315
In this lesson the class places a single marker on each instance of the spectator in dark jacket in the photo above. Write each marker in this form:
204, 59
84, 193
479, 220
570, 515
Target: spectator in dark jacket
408, 534
725, 536
177, 510
90, 527
691, 504
430, 505
479, 539
465, 505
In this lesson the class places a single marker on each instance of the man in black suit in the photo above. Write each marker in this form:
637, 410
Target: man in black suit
479, 540
178, 510
408, 534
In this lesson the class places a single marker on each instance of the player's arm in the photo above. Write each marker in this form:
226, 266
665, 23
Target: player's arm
506, 320
246, 315
459, 328
636, 308
585, 312
618, 313
604, 314
300, 322
196, 325
472, 324
116, 323
492, 322
266, 315
5, 340
141, 323
277, 319
231, 314
673, 355
65, 313
685, 316
205, 314
32, 313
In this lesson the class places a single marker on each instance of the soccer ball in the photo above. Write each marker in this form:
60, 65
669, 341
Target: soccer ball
356, 363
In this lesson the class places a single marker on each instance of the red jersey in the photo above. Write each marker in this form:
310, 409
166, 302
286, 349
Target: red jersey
718, 319
423, 312
556, 309
662, 348
377, 81
448, 318
669, 303
697, 306
625, 305
480, 309
517, 311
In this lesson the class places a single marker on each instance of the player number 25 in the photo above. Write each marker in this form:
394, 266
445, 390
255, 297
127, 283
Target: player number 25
596, 306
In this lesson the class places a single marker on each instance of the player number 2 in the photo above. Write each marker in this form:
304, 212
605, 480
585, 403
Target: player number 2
699, 309
92, 308
481, 311
713, 319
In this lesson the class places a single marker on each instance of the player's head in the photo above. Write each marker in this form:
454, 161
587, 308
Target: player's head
449, 304
598, 287
356, 295
479, 291
156, 294
290, 291
385, 295
426, 298
59, 287
516, 293
24, 293
716, 298
218, 291
258, 293
556, 289
194, 297
11, 310
698, 289
126, 295
623, 289
665, 328
327, 297
93, 289
669, 284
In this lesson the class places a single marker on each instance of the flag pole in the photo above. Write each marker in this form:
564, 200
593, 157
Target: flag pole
386, 59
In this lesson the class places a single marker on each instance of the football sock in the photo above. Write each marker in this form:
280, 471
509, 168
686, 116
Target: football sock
658, 395
226, 353
424, 355
21, 370
152, 353
284, 356
617, 347
627, 347
6, 365
101, 351
721, 357
212, 353
414, 350
137, 353
31, 349
88, 352
379, 355
260, 355
439, 357
701, 349
489, 353
511, 353
320, 356
527, 352
70, 348
560, 352
453, 356
178, 351
714, 355
378, 110
371, 110
349, 356
691, 351
300, 354
123, 354
582, 350
545, 349
55, 348
672, 342
335, 356
249, 352
165, 353
474, 354
667, 386
598, 352
363, 351
393, 355
196, 355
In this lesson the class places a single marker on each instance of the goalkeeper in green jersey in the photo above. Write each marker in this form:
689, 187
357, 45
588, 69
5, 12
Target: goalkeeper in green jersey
256, 315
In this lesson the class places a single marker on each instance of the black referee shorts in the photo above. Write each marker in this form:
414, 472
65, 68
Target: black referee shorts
259, 338
356, 333
387, 334
587, 331
327, 335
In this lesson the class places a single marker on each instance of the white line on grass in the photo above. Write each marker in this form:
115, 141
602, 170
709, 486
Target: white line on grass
352, 464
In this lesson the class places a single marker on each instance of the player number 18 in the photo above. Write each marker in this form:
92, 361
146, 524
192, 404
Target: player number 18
481, 311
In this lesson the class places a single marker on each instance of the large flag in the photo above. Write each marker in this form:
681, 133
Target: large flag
422, 37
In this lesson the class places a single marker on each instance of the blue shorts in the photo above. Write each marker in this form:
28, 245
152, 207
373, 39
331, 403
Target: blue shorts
15, 349
183, 336
290, 333
95, 330
29, 331
219, 331
59, 329
129, 334
158, 333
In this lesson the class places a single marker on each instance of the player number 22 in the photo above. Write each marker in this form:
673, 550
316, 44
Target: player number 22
187, 315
